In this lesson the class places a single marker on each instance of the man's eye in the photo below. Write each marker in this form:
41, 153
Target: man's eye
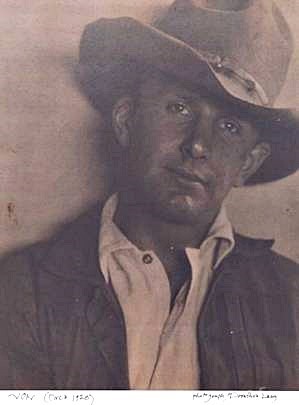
180, 108
229, 127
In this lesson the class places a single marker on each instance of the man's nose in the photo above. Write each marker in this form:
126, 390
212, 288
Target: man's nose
198, 145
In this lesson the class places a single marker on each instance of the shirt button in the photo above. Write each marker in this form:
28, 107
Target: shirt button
147, 259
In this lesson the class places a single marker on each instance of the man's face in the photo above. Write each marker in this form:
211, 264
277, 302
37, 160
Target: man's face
185, 151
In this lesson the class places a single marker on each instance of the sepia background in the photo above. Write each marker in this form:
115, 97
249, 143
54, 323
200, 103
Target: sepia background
54, 160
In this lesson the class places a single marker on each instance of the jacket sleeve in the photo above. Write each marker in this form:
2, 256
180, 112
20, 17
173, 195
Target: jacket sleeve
24, 362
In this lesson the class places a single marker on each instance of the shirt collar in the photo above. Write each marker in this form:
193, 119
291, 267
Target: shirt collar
221, 231
111, 238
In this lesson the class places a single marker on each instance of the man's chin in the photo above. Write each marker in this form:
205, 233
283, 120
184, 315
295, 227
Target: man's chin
181, 210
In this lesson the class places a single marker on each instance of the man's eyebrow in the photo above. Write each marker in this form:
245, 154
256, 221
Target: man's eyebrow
187, 97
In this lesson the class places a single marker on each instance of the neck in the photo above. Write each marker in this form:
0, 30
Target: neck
148, 232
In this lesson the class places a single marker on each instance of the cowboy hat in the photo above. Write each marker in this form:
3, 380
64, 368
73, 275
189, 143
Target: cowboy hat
241, 48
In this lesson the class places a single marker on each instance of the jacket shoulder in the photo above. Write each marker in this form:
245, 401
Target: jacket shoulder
255, 264
16, 270
20, 261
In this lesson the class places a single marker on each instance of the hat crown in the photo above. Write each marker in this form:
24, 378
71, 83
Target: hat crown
224, 5
252, 34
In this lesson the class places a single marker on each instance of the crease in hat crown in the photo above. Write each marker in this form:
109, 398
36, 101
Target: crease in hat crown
255, 38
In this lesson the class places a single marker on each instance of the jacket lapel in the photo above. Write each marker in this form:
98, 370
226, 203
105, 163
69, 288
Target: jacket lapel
74, 256
225, 354
108, 329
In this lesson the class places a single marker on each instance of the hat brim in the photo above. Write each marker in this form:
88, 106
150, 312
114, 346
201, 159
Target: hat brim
113, 50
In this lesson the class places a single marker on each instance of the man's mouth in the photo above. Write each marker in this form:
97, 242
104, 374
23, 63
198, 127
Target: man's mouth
188, 175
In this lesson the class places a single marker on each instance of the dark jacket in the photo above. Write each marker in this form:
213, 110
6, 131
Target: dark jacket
62, 327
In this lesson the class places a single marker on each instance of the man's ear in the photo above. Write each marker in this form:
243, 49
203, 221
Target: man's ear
253, 162
122, 114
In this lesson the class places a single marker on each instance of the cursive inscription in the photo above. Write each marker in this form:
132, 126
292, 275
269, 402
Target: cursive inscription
207, 397
22, 396
53, 397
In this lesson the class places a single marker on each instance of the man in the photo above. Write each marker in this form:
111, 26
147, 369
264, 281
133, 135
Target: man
154, 290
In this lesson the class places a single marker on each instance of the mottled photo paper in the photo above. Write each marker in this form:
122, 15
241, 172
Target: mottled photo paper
149, 195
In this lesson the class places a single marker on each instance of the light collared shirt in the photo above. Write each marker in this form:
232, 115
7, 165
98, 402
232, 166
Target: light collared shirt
161, 343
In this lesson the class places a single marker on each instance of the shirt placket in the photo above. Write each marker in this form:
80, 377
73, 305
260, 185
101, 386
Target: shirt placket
146, 309
177, 360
